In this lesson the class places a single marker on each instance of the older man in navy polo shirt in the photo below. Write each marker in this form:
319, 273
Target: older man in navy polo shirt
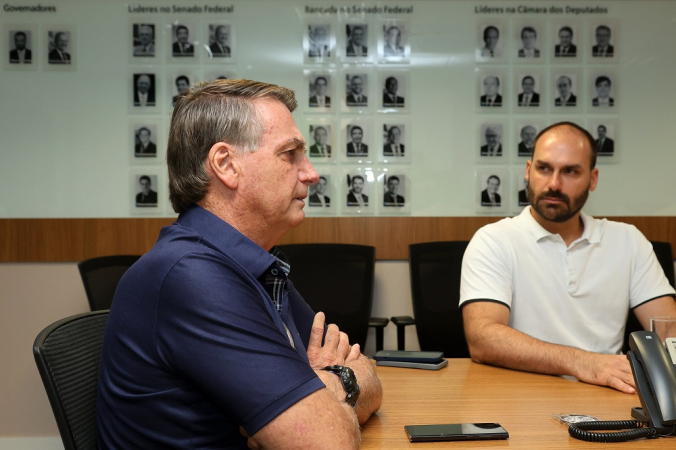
208, 345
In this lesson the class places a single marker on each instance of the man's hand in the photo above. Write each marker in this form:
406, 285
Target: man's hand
336, 349
606, 370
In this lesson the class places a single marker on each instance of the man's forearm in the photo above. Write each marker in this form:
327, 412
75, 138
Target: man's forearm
492, 341
504, 346
371, 392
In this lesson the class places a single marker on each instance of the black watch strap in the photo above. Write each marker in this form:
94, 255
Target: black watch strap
349, 382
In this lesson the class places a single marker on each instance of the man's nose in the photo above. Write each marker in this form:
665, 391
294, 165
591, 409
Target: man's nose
555, 181
308, 175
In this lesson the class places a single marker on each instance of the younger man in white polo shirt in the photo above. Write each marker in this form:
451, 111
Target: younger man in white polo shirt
549, 291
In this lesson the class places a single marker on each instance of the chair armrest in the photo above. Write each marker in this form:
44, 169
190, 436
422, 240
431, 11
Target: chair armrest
402, 322
379, 323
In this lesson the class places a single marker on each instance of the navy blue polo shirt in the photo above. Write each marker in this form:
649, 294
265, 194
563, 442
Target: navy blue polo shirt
194, 348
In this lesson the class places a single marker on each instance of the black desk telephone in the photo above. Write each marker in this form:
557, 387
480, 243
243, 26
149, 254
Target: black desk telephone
655, 378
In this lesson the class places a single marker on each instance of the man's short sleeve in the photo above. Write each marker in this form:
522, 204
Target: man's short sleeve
222, 336
647, 279
486, 270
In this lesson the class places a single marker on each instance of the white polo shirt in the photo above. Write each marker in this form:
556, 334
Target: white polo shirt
578, 295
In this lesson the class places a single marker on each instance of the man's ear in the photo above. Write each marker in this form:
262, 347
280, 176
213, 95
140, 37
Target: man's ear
222, 163
594, 179
529, 163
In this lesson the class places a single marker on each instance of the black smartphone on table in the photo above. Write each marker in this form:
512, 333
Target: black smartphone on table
455, 432
409, 356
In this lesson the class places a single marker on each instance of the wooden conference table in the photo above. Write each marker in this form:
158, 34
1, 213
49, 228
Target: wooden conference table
523, 403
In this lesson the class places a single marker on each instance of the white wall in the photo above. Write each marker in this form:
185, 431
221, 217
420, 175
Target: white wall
70, 129
33, 295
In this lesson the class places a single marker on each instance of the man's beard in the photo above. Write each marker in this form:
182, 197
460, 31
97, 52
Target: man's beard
557, 213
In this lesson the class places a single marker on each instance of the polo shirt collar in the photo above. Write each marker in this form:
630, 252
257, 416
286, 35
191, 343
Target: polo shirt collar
591, 232
224, 238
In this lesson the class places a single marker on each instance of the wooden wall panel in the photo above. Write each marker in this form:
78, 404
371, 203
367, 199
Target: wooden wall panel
58, 240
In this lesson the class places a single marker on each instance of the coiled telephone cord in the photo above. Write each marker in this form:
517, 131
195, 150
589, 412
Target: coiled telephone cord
633, 430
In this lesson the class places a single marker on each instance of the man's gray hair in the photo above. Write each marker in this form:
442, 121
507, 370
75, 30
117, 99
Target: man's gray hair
211, 112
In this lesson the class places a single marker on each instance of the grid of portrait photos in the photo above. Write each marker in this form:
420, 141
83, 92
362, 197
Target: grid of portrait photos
165, 58
40, 47
531, 73
356, 115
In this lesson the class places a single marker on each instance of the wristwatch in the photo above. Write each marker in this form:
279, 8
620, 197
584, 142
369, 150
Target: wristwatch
349, 382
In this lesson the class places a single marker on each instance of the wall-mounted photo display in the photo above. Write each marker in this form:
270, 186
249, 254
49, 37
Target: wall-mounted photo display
394, 42
61, 47
181, 80
492, 190
603, 41
525, 130
358, 137
530, 94
394, 86
148, 192
567, 38
320, 90
603, 89
21, 49
323, 196
605, 131
221, 46
183, 41
144, 44
519, 191
360, 195
491, 41
145, 141
492, 89
143, 89
491, 141
396, 141
394, 191
567, 91
529, 42
321, 141
357, 96
319, 42
358, 47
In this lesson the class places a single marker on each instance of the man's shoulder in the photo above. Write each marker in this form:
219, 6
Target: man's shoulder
507, 227
612, 227
178, 243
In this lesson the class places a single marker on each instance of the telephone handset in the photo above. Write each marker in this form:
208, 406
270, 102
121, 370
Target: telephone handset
655, 378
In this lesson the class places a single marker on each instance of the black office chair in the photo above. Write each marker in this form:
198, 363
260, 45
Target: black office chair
435, 288
338, 279
67, 354
665, 256
100, 277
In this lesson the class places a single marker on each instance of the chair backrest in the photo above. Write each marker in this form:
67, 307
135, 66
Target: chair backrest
435, 287
100, 277
338, 280
665, 256
67, 354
